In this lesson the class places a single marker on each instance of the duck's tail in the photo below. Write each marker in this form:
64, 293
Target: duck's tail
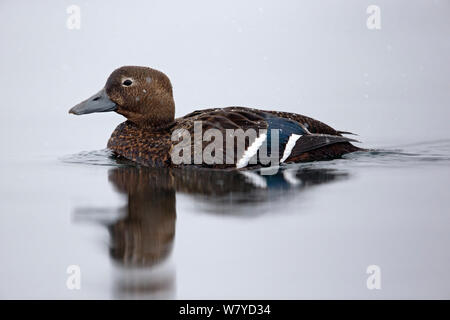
347, 132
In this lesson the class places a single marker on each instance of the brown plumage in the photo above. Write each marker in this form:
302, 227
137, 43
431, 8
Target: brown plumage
144, 96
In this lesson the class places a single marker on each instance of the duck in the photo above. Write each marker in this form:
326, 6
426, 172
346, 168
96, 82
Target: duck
234, 137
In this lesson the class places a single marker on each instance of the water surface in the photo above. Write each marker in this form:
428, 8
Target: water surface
310, 231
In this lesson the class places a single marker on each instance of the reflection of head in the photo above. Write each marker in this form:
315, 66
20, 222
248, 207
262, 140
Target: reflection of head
145, 236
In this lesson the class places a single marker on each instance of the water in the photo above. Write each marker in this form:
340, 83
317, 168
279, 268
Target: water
310, 231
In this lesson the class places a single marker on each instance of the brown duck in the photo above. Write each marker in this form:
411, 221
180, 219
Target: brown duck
153, 137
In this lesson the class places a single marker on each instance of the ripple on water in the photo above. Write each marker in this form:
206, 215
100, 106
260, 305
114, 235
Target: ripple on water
422, 153
104, 157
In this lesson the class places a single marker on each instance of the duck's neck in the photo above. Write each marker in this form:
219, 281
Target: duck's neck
160, 115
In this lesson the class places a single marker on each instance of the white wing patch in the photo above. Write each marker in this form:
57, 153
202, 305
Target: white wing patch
251, 151
289, 146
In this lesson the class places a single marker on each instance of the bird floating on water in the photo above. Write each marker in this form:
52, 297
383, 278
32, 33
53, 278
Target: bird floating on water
153, 137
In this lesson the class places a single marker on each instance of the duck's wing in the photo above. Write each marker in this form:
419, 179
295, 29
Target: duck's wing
291, 134
320, 142
296, 140
313, 125
228, 124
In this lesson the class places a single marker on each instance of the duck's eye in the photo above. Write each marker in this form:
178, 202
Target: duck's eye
127, 83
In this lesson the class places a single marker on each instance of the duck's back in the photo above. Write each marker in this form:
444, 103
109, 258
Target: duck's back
306, 138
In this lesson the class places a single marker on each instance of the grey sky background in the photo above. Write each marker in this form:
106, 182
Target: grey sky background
312, 57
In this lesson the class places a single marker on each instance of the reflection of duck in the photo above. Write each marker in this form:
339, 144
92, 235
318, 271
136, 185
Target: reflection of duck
144, 236
247, 193
144, 96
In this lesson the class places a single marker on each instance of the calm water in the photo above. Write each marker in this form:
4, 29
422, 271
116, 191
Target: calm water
309, 231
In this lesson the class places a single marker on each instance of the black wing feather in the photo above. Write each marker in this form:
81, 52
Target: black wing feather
314, 141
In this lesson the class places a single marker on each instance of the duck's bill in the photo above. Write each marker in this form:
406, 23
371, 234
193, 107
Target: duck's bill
99, 102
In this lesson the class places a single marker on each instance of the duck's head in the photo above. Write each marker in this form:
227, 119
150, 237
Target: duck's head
142, 95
